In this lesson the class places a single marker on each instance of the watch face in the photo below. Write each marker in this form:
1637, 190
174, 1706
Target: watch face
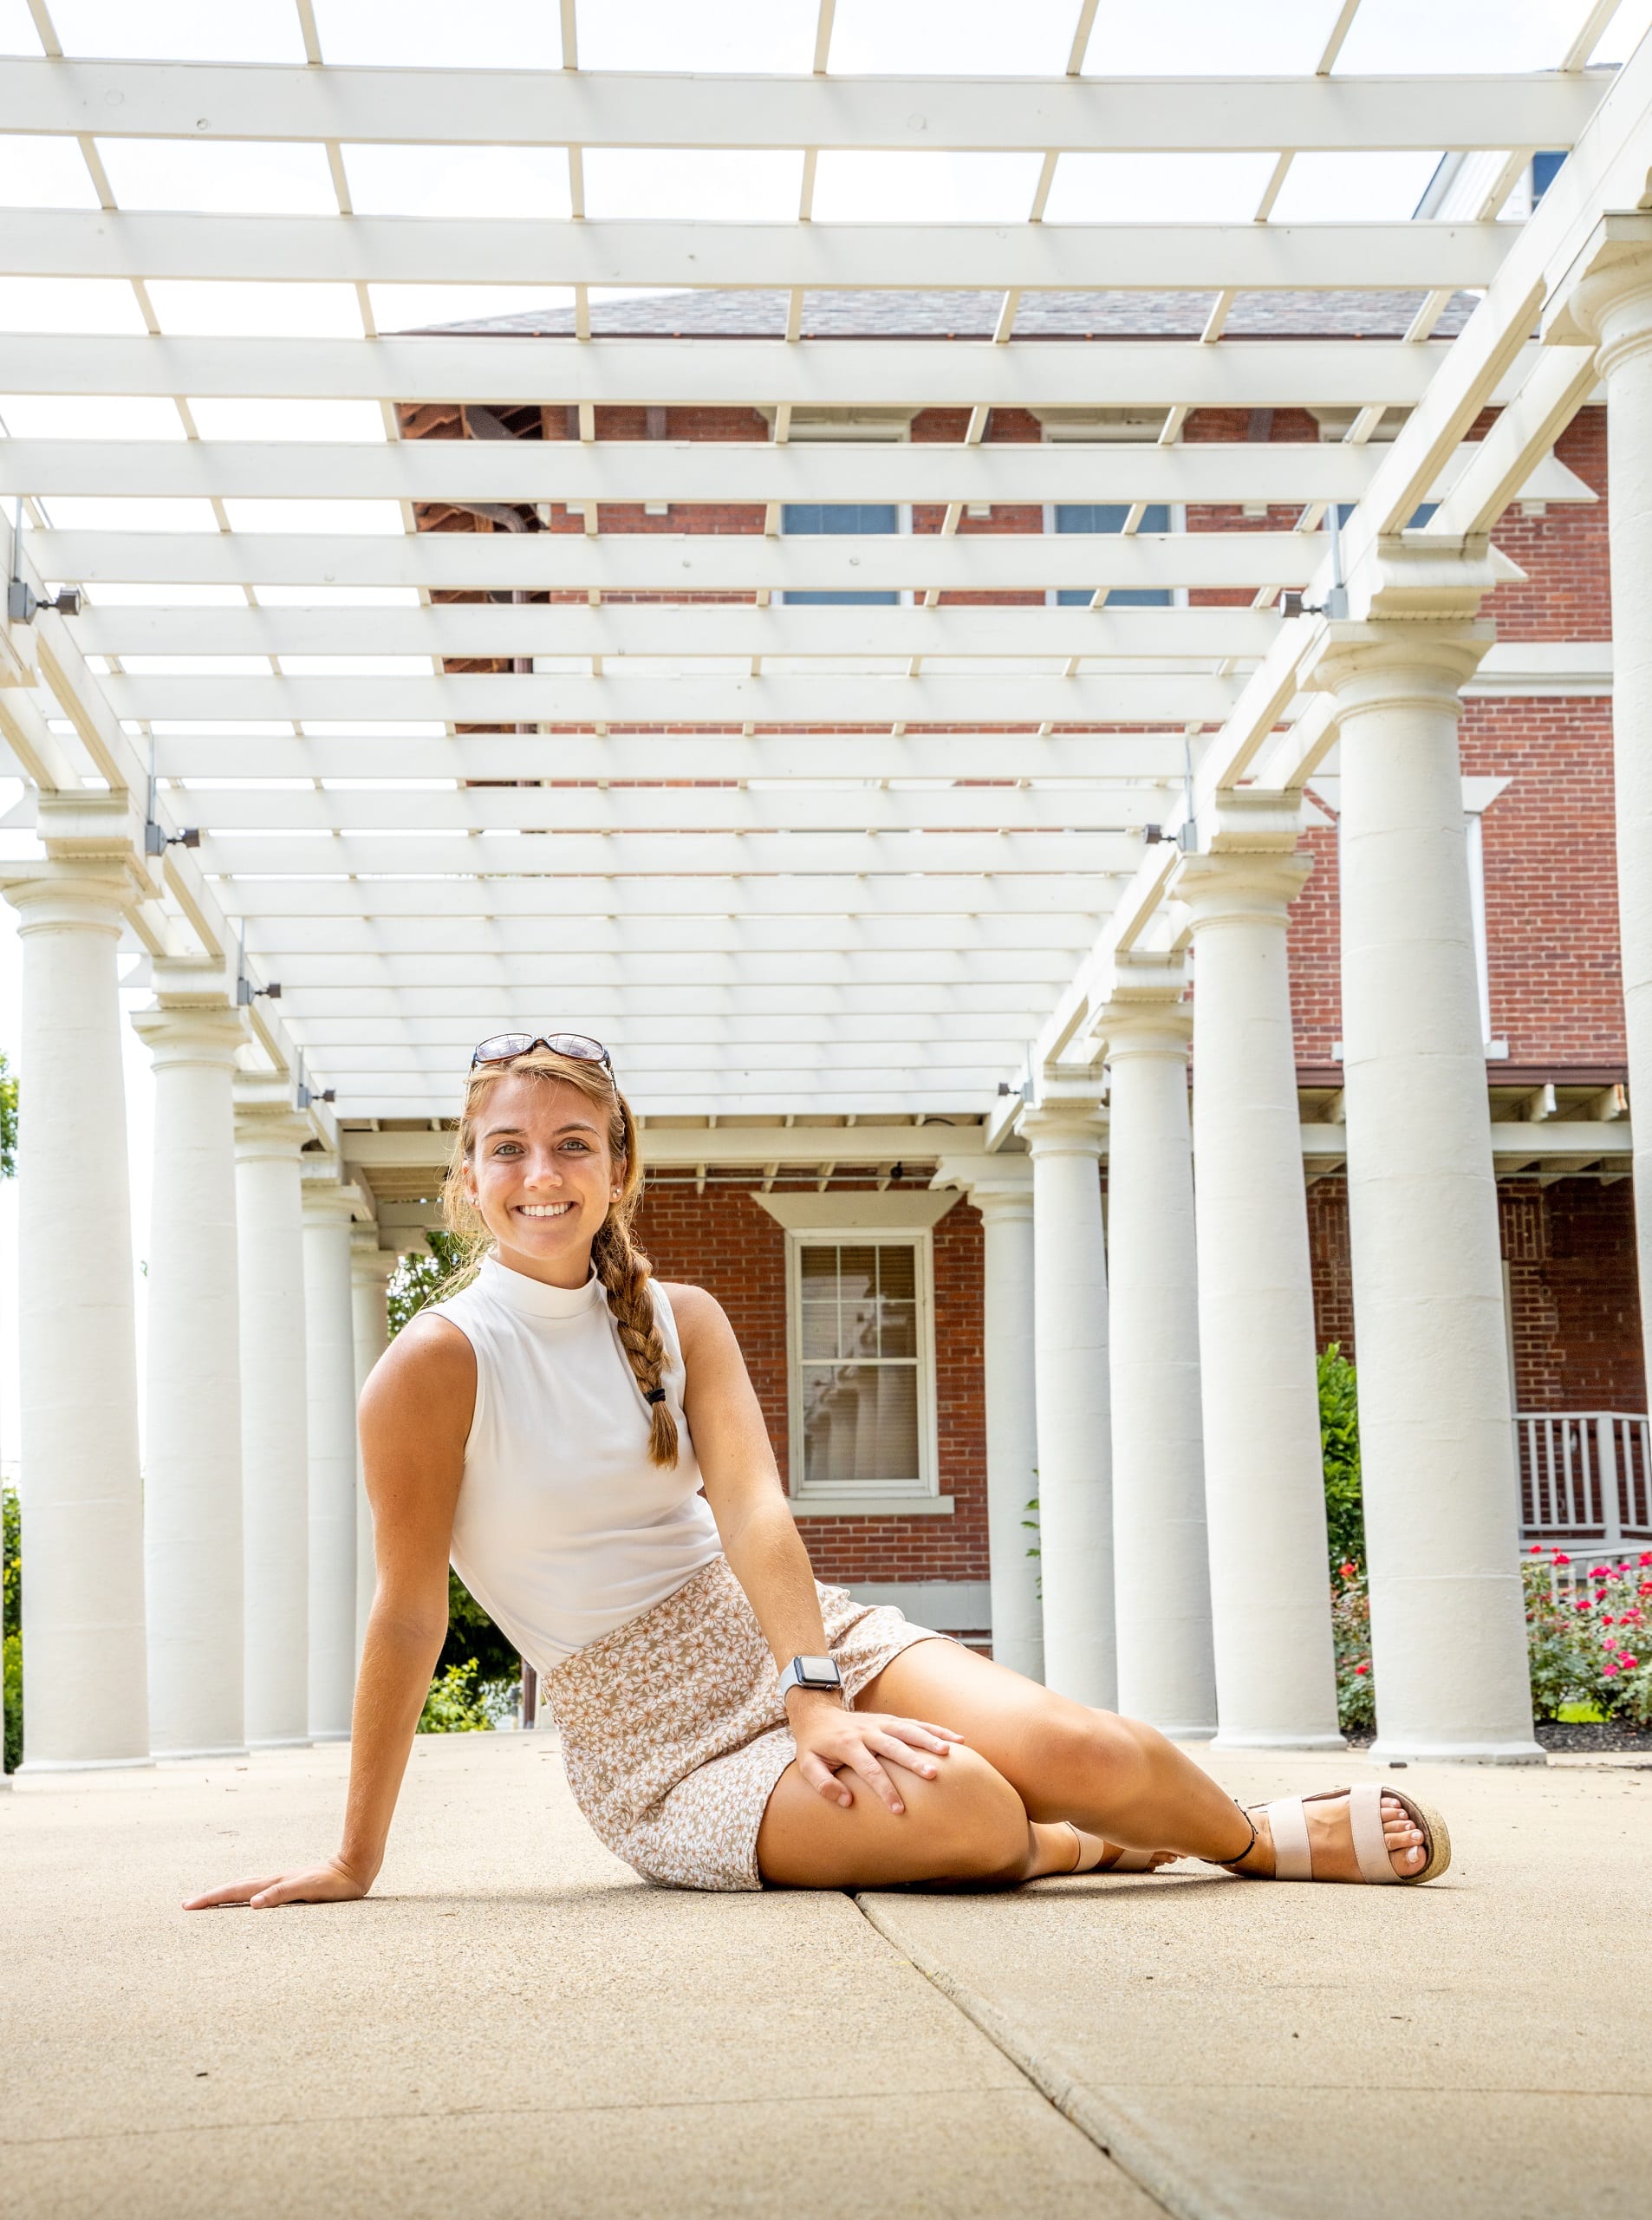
820, 1670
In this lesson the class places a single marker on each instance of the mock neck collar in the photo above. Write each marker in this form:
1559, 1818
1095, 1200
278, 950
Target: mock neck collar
533, 1297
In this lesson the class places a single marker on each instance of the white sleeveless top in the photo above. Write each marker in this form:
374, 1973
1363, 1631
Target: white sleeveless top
564, 1529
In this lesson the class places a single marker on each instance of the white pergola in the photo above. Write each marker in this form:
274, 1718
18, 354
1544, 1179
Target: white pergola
817, 874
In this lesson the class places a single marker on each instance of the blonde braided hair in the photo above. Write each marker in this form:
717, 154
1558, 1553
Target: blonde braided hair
620, 1265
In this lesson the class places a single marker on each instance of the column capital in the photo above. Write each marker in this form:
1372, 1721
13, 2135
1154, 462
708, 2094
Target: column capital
56, 895
1065, 1125
266, 1124
1220, 888
326, 1204
1391, 661
175, 1036
1000, 1187
369, 1262
1604, 299
1144, 1014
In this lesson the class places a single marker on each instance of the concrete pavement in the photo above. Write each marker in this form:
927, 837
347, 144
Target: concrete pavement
514, 2024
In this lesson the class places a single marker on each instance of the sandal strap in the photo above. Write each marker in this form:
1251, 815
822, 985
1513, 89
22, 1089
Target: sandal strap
1371, 1845
1288, 1824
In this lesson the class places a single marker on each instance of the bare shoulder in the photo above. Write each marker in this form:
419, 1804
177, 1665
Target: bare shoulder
702, 1323
426, 1377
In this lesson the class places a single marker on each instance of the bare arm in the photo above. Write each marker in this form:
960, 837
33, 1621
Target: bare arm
415, 1414
766, 1554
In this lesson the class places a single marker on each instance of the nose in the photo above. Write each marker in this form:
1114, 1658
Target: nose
543, 1170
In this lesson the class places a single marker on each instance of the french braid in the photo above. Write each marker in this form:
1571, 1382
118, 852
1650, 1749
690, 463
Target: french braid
625, 1274
620, 1265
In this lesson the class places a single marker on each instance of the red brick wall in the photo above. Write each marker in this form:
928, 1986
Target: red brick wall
1574, 1307
1567, 593
724, 1242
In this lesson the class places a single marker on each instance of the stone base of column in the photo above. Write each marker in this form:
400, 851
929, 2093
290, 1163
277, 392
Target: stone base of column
1394, 1751
281, 1742
1225, 1742
193, 1757
82, 1765
331, 1735
1207, 1732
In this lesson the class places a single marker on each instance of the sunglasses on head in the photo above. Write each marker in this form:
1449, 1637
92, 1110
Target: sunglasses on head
579, 1048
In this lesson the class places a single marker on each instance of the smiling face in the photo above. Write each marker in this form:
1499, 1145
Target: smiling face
542, 1176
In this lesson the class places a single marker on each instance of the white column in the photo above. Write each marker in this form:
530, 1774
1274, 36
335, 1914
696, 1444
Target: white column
1003, 1194
85, 1702
1161, 1566
192, 1438
1436, 1447
1607, 301
331, 1367
371, 1269
1265, 1499
1071, 1372
275, 1453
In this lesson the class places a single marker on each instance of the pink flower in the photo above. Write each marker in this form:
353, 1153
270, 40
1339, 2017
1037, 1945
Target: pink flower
1609, 1672
1560, 1557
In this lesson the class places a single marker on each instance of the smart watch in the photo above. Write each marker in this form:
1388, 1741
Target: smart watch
810, 1672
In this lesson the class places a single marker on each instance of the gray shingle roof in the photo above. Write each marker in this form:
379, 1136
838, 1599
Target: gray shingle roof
729, 313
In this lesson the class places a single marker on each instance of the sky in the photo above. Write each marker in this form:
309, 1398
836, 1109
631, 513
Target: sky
961, 37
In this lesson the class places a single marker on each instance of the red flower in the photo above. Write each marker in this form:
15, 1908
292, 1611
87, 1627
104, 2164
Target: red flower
1600, 1573
1609, 1672
1582, 1603
1628, 1663
1606, 1619
1537, 1549
1646, 1557
1560, 1557
1361, 1669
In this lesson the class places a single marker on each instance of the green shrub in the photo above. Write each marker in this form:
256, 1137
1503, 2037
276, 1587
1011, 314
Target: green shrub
12, 1623
1350, 1626
459, 1704
1339, 1452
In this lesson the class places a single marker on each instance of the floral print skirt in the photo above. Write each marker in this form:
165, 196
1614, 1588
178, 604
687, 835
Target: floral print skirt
673, 1730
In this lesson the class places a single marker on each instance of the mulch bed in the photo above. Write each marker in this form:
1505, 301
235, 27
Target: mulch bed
1608, 1738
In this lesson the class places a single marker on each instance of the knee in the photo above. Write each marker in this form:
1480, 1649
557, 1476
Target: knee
1082, 1743
979, 1822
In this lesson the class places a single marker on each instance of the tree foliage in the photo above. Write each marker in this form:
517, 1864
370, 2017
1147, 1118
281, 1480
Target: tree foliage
478, 1664
7, 1119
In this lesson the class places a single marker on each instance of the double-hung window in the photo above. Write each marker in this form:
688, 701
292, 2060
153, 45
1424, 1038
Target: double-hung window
1109, 516
861, 1348
854, 517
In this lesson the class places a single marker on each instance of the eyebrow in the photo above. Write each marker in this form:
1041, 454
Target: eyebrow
573, 1125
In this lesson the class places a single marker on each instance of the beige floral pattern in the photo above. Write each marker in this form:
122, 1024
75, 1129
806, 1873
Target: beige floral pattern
672, 1729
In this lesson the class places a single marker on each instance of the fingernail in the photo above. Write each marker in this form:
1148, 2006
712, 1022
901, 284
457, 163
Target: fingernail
897, 1809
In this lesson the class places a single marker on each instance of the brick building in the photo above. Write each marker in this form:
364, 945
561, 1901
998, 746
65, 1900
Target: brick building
1535, 747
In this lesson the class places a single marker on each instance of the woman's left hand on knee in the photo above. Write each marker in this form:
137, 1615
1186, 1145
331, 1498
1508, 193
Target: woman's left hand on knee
832, 1742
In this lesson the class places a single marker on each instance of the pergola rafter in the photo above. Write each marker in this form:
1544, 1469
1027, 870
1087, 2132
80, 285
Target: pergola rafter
846, 830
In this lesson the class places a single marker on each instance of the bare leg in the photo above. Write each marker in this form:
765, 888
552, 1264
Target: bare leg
1111, 1776
968, 1825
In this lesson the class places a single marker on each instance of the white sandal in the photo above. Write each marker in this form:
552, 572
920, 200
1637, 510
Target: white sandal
1293, 1857
1121, 1861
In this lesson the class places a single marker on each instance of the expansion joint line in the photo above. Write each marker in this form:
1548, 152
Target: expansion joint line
1114, 2128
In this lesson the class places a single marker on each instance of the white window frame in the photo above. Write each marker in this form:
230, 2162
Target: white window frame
867, 1499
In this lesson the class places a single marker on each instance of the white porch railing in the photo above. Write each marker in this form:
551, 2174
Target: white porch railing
1585, 1478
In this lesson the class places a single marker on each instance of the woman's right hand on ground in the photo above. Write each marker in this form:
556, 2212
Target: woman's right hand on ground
332, 1883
